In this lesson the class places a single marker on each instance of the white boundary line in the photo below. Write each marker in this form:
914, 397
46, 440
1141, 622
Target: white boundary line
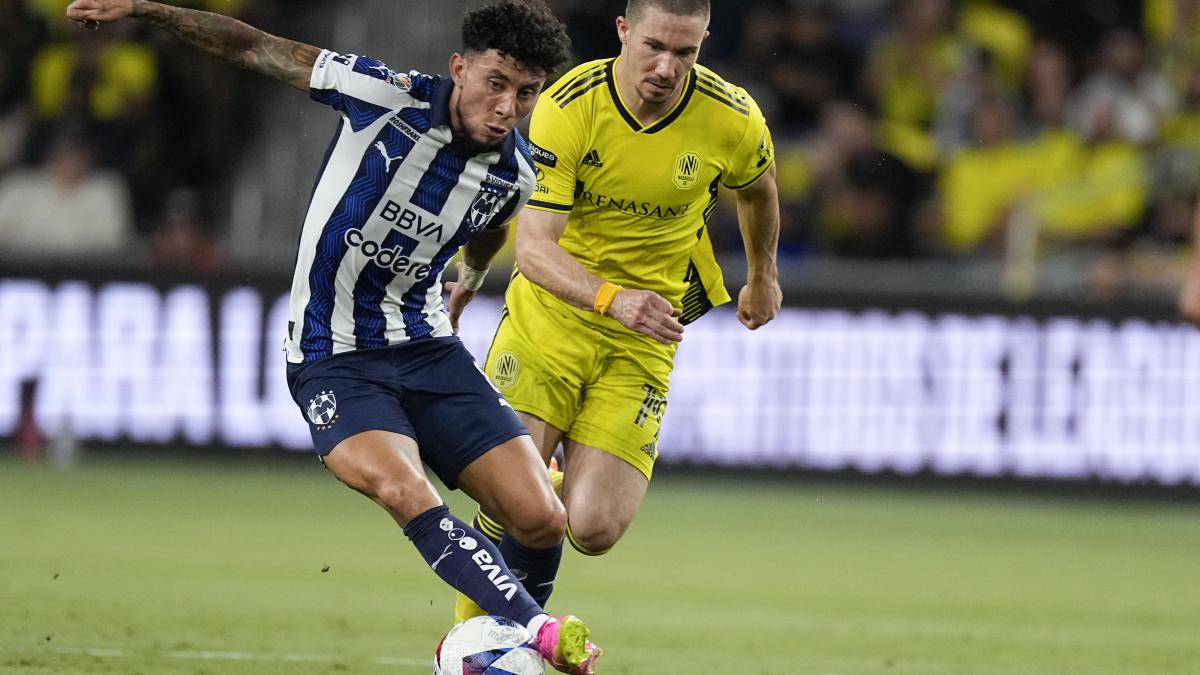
215, 655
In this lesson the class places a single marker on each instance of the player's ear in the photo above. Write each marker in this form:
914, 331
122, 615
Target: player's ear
458, 68
622, 29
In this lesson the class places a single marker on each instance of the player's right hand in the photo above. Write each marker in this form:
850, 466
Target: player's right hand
87, 12
459, 298
648, 313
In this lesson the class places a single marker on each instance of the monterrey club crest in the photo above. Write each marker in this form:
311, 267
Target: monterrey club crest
482, 209
322, 410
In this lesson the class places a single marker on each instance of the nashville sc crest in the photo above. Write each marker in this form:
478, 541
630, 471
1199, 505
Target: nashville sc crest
322, 410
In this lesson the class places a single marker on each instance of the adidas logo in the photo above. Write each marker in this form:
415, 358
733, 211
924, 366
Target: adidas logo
593, 159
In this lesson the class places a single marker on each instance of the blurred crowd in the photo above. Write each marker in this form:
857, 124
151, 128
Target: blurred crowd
1018, 131
976, 130
115, 144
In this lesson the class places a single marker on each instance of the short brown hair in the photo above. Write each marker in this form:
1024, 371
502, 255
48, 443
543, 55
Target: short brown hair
636, 8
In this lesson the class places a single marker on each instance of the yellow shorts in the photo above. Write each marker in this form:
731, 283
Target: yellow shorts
605, 388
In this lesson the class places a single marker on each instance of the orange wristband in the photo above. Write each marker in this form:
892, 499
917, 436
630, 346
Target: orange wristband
604, 297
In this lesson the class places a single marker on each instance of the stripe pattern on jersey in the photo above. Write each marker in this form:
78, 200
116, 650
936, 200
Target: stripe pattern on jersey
712, 87
695, 302
360, 199
395, 199
581, 84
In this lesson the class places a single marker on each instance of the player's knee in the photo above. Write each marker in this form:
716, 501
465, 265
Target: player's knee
594, 537
541, 527
405, 499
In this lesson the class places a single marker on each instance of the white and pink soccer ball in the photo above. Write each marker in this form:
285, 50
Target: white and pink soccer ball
487, 645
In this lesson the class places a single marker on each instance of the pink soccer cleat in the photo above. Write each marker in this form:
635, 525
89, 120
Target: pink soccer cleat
564, 643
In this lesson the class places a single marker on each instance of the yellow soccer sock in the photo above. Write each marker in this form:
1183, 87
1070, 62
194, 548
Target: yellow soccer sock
489, 526
556, 480
580, 547
465, 608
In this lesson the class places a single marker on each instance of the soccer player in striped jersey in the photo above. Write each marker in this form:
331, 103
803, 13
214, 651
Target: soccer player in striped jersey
614, 258
419, 166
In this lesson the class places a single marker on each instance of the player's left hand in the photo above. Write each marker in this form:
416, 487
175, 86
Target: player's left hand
459, 298
91, 13
759, 302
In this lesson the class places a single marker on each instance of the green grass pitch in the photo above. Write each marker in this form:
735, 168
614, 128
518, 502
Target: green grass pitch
175, 567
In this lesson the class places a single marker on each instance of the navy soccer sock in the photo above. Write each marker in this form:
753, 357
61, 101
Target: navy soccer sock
469, 562
535, 567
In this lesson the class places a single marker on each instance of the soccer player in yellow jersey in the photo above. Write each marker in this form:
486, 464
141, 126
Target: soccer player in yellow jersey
614, 258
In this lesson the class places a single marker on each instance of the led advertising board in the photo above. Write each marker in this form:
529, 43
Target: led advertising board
874, 390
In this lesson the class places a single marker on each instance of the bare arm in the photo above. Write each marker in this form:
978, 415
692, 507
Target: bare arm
545, 263
224, 37
479, 251
477, 255
1189, 295
758, 219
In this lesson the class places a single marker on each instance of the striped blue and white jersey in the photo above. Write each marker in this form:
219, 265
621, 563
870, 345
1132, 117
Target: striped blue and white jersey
392, 203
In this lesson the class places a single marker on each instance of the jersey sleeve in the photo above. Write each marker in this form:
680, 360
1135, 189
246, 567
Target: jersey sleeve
362, 88
556, 144
754, 153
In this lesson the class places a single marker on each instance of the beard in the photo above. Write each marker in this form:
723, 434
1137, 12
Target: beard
463, 140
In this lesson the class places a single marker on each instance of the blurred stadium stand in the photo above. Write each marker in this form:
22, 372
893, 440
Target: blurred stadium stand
1014, 147
977, 158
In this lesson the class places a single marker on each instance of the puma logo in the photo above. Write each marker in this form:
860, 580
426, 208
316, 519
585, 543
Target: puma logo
388, 159
445, 554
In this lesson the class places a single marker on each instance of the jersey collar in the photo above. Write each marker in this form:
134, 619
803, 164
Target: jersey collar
661, 123
439, 105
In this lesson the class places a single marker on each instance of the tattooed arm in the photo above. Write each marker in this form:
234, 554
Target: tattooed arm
226, 38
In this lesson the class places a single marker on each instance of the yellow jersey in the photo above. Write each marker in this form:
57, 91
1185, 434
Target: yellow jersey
639, 196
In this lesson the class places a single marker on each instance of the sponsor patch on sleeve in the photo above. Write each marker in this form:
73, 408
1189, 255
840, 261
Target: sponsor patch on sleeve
764, 150
543, 156
400, 81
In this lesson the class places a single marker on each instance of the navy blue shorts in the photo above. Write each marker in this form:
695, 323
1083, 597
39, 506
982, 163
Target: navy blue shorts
429, 390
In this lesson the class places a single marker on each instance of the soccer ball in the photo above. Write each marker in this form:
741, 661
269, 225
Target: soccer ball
487, 645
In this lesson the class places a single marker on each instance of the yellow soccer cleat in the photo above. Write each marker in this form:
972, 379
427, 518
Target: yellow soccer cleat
564, 643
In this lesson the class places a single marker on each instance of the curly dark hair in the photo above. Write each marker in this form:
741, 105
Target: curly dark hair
526, 30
